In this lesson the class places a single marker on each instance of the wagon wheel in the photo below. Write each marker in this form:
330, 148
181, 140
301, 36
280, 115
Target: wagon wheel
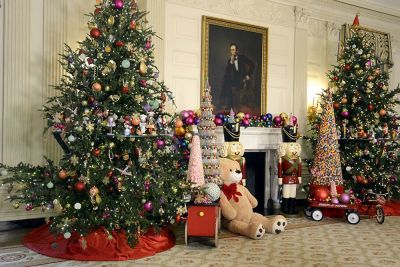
317, 215
307, 211
216, 233
353, 217
186, 234
380, 215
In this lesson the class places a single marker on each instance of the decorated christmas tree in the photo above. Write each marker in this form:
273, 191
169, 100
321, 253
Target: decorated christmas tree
365, 118
120, 170
326, 166
208, 138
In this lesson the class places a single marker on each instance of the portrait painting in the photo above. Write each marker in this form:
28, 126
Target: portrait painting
234, 61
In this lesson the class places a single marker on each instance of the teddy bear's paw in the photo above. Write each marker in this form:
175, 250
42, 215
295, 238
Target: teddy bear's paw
279, 225
260, 231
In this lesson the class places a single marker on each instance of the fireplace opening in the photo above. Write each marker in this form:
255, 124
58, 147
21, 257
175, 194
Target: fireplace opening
255, 182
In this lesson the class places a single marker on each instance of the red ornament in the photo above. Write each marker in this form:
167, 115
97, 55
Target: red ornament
95, 33
79, 186
321, 193
336, 78
370, 107
382, 112
85, 72
119, 43
347, 67
178, 218
132, 24
97, 11
336, 105
62, 174
125, 89
91, 99
380, 85
110, 173
96, 152
96, 87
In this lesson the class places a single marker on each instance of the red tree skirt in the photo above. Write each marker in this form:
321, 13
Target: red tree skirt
98, 246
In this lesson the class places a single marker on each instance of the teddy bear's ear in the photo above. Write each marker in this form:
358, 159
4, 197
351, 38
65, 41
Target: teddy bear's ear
223, 150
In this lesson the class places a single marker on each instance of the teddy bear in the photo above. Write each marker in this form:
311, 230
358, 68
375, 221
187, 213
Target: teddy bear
234, 150
237, 205
289, 174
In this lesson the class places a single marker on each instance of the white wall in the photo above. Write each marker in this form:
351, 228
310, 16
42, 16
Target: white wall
302, 45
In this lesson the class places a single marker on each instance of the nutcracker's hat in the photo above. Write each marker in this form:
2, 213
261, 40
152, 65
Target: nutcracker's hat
231, 129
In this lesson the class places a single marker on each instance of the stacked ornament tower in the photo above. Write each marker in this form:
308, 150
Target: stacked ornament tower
208, 139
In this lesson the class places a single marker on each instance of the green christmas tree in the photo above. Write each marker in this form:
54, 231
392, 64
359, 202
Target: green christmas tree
120, 169
365, 118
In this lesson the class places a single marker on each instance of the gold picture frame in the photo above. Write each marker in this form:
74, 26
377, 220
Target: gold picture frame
238, 82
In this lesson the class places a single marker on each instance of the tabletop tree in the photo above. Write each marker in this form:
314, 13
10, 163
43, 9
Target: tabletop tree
119, 170
366, 121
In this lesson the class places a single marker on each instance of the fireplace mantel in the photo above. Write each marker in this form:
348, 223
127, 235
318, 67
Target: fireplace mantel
259, 139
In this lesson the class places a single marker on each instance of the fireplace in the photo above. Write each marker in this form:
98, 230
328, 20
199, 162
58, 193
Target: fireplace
263, 143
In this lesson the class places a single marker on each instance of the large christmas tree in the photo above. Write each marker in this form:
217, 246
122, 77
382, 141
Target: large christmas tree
120, 169
365, 118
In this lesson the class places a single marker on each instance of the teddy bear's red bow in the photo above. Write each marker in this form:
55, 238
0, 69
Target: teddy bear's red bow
230, 191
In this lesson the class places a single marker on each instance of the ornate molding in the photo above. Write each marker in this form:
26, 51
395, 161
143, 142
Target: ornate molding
255, 10
301, 16
317, 28
332, 30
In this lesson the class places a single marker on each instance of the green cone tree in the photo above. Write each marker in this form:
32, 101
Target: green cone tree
120, 169
365, 118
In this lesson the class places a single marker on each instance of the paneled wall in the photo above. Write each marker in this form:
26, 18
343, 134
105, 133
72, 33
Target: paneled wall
302, 45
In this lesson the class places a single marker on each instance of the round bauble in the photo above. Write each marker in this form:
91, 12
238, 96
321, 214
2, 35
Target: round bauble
125, 89
382, 112
96, 87
185, 114
132, 24
178, 123
188, 136
218, 121
344, 100
77, 206
107, 49
62, 174
277, 121
344, 198
118, 4
125, 63
148, 206
359, 179
67, 235
189, 121
320, 193
212, 190
370, 107
246, 122
347, 67
119, 43
50, 185
142, 68
247, 116
79, 186
3, 172
95, 33
96, 152
345, 113
111, 20
178, 218
180, 131
160, 143
335, 200
336, 105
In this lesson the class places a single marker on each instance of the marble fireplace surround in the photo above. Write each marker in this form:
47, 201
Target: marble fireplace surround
258, 139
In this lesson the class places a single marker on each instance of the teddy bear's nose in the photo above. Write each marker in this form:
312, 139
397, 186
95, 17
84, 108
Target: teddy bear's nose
238, 171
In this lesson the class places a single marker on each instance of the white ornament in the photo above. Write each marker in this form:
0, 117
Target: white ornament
50, 185
212, 190
67, 235
71, 138
77, 206
3, 172
348, 168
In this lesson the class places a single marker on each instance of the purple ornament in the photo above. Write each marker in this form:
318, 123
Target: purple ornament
160, 143
189, 121
146, 187
156, 75
147, 107
345, 113
264, 117
28, 207
185, 114
147, 46
118, 4
191, 113
95, 103
148, 206
393, 179
220, 116
294, 120
335, 200
196, 120
344, 198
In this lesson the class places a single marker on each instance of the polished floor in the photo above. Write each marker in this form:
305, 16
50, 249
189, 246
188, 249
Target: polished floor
332, 242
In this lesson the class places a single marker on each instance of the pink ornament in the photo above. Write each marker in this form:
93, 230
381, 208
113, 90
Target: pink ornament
191, 113
185, 114
345, 113
294, 120
335, 200
148, 206
160, 143
118, 4
189, 121
246, 122
247, 116
344, 198
143, 83
277, 120
28, 207
147, 46
218, 121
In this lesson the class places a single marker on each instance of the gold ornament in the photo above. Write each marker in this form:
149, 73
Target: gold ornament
111, 20
143, 68
107, 49
16, 205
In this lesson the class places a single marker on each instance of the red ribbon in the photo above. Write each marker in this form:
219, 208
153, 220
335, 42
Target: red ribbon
230, 191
